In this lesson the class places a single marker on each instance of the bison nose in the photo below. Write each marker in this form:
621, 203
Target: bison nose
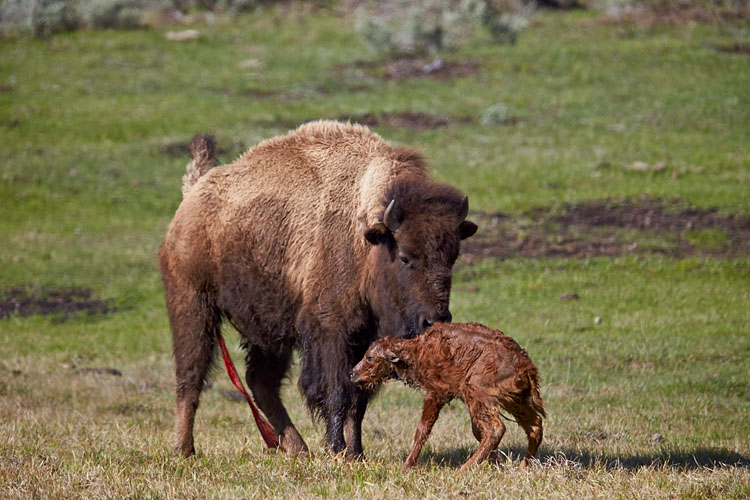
446, 317
441, 317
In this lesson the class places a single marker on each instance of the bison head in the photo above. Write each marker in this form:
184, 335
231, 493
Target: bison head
413, 249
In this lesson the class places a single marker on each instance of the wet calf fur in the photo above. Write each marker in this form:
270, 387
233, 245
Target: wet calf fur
484, 368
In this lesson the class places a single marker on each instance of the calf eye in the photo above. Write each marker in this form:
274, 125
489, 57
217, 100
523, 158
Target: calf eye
368, 358
404, 260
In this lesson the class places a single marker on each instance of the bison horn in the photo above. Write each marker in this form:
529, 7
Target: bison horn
464, 210
389, 219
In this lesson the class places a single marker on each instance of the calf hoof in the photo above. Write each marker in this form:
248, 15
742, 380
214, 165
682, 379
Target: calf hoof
185, 451
464, 467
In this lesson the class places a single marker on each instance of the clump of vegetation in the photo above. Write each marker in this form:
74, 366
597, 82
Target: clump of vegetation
45, 18
434, 26
122, 14
54, 16
497, 114
693, 7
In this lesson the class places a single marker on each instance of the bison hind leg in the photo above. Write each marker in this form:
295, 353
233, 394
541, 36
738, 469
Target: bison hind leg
264, 374
195, 324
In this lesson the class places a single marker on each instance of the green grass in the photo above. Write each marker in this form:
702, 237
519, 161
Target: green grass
86, 193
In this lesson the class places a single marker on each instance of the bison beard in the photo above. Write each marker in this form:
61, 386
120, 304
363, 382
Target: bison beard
322, 240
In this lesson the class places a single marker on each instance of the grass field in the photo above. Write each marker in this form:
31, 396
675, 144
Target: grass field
649, 125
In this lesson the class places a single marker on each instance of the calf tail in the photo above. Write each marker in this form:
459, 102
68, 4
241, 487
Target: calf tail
202, 159
534, 398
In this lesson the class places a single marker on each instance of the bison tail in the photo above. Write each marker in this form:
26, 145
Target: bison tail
202, 159
534, 398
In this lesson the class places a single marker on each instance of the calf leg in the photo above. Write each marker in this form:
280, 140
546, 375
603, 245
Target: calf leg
534, 431
491, 429
195, 324
430, 412
263, 375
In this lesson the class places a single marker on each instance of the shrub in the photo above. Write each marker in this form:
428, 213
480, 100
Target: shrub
103, 14
54, 16
497, 114
434, 26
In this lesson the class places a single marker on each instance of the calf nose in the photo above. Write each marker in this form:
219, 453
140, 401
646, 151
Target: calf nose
352, 375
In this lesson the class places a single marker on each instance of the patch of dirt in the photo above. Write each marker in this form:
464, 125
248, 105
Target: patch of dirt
251, 93
610, 228
560, 4
181, 149
98, 371
411, 67
409, 119
62, 302
734, 47
671, 13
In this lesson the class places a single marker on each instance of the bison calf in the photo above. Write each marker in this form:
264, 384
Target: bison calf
483, 367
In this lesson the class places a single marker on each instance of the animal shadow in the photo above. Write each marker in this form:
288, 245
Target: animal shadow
700, 458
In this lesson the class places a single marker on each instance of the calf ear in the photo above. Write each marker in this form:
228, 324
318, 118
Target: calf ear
466, 229
392, 358
377, 234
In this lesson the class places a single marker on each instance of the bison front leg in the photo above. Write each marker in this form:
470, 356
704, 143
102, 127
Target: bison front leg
337, 410
353, 425
324, 378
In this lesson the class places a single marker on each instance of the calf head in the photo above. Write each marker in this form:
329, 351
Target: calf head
378, 364
413, 249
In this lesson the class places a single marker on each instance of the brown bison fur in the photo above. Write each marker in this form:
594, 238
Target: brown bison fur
321, 240
484, 368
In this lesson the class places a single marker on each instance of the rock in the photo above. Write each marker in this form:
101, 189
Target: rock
182, 36
597, 320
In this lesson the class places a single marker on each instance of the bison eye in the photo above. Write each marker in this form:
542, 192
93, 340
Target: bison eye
368, 358
404, 260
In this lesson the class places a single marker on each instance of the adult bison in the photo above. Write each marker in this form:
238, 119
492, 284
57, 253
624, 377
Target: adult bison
321, 240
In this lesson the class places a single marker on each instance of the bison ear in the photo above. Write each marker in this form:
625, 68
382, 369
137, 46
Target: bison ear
466, 229
377, 234
391, 358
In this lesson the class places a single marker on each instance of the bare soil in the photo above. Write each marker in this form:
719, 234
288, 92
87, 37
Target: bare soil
181, 149
403, 68
610, 228
61, 302
734, 47
409, 120
670, 13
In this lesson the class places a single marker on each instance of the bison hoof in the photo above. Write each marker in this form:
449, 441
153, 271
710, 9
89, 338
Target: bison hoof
354, 456
294, 446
